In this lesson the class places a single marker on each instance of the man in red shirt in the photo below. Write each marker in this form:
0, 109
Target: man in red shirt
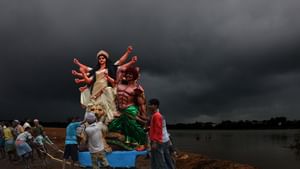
159, 137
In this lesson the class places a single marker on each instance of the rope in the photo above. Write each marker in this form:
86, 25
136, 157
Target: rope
55, 147
56, 159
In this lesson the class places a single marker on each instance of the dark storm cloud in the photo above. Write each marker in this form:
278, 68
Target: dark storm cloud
206, 60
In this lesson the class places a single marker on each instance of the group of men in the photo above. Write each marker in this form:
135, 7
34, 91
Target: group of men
17, 140
161, 157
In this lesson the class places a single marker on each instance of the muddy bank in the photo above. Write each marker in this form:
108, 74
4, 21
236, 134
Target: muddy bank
184, 161
197, 161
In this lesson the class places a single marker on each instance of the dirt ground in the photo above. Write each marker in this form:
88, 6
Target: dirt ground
184, 161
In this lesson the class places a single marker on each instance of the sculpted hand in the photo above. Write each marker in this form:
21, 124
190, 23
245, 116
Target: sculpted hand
93, 97
129, 49
106, 75
76, 61
77, 81
81, 89
134, 59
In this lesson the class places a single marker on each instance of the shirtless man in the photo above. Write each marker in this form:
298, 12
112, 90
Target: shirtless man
131, 105
130, 93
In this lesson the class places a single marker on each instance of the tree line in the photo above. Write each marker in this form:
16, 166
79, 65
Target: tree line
273, 123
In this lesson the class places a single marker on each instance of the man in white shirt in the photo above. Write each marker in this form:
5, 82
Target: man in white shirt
95, 141
23, 149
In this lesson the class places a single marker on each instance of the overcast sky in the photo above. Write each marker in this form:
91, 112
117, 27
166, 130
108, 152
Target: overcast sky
205, 60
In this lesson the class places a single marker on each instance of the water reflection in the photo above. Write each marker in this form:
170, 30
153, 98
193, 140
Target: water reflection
265, 149
278, 138
295, 146
205, 137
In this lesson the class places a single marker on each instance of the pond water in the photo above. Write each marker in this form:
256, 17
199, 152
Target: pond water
265, 149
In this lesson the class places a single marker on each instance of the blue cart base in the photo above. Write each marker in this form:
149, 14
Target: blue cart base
124, 159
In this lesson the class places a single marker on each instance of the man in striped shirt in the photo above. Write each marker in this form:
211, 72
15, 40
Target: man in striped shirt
159, 137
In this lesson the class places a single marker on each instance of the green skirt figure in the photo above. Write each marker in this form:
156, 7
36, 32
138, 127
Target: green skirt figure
127, 125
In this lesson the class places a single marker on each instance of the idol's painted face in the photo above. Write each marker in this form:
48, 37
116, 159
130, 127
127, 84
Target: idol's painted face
100, 111
102, 60
129, 76
93, 109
